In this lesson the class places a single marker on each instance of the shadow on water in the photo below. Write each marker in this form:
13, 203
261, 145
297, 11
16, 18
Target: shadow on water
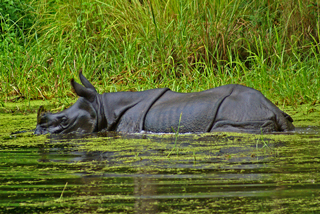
149, 173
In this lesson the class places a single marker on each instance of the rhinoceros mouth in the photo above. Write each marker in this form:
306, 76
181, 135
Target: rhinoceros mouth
39, 130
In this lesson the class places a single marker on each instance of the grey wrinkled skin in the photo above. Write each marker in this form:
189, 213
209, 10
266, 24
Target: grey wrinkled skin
232, 108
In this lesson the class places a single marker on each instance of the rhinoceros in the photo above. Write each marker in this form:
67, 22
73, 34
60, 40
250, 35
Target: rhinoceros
233, 107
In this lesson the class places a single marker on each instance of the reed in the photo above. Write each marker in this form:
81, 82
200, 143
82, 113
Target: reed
186, 45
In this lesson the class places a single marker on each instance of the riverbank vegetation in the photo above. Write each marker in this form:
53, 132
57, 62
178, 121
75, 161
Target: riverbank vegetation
186, 45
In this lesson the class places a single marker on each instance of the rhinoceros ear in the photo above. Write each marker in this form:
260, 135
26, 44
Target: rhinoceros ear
81, 91
86, 82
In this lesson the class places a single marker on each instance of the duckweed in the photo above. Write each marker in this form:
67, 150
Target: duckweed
124, 173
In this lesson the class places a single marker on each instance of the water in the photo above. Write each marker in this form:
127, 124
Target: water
143, 173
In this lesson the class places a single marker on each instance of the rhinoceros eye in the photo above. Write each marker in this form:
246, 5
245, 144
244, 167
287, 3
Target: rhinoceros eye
64, 120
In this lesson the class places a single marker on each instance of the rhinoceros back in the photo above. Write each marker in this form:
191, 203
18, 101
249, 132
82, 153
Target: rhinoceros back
226, 108
197, 111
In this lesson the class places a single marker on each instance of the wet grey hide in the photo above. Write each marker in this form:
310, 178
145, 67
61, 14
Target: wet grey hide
233, 108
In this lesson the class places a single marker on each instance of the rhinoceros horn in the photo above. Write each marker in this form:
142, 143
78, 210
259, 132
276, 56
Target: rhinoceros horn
41, 112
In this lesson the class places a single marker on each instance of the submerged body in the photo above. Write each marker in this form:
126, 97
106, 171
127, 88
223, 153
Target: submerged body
226, 108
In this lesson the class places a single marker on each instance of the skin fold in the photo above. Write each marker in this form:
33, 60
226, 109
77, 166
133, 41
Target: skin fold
234, 108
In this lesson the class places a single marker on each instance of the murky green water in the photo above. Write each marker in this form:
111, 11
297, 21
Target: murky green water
110, 172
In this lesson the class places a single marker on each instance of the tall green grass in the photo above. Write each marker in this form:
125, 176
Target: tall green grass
186, 45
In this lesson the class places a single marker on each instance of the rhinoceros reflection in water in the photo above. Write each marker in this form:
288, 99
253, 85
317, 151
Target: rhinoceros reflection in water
227, 108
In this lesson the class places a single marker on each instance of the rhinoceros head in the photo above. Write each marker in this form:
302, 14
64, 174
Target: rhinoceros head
80, 117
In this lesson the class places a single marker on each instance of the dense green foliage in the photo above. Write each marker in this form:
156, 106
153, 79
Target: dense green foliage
16, 18
186, 45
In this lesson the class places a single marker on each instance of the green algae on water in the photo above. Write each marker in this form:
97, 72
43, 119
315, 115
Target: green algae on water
124, 173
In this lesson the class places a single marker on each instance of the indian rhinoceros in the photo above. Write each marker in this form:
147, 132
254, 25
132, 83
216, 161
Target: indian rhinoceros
232, 107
